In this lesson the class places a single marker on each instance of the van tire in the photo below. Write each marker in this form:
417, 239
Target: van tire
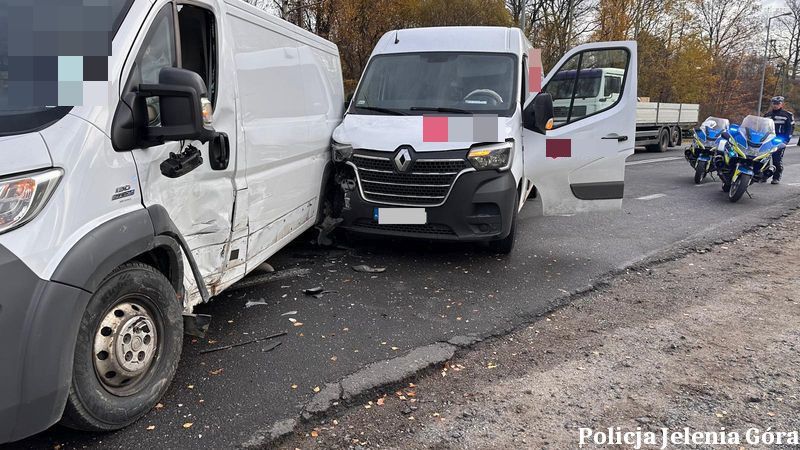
140, 296
506, 245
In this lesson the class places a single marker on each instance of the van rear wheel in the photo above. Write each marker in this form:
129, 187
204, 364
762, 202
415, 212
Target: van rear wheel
127, 351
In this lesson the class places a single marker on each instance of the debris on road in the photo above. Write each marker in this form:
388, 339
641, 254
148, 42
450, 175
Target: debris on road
252, 341
363, 268
270, 277
271, 347
251, 303
196, 325
289, 313
318, 292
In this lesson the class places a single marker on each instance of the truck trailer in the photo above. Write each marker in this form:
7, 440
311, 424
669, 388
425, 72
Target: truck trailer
663, 125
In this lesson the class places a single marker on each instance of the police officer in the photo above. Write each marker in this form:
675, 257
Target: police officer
784, 127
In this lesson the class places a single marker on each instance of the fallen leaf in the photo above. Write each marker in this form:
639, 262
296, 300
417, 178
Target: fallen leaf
159, 405
292, 319
188, 425
491, 365
334, 358
380, 402
314, 433
216, 372
191, 386
151, 427
395, 348
771, 414
316, 389
298, 324
294, 386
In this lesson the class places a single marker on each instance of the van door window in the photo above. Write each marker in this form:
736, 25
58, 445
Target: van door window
575, 87
157, 52
199, 44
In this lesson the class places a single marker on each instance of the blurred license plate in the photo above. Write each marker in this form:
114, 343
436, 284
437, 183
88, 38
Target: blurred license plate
401, 216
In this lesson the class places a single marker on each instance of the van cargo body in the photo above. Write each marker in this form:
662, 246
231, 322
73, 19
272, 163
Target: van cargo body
116, 220
440, 140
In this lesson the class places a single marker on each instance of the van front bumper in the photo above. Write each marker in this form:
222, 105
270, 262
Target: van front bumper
480, 207
39, 323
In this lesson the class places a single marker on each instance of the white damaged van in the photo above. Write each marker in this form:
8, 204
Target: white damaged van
447, 135
114, 221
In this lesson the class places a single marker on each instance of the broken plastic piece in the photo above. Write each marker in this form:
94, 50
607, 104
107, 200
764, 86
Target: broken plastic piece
368, 269
318, 292
251, 303
196, 324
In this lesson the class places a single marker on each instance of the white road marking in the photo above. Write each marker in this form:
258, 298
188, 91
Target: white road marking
654, 160
652, 197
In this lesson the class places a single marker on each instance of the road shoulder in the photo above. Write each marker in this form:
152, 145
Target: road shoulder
708, 341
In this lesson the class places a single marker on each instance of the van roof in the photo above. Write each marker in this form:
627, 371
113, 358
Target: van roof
453, 39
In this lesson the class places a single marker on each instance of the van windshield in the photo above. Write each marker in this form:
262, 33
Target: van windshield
25, 118
425, 83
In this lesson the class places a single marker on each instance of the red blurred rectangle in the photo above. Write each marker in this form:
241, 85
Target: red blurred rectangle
558, 148
535, 70
434, 129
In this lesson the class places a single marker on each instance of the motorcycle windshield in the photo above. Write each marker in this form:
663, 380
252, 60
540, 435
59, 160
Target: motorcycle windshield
757, 130
714, 126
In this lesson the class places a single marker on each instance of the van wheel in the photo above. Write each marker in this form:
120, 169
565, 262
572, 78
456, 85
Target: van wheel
127, 351
506, 245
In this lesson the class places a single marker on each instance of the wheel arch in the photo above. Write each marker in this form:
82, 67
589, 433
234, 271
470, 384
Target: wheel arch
145, 235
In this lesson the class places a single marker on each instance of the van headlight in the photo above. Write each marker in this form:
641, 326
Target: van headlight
341, 152
22, 197
495, 156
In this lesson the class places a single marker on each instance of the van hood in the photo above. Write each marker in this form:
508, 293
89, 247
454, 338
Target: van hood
387, 133
23, 153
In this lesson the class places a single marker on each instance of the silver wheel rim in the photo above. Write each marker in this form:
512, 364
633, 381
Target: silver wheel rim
125, 347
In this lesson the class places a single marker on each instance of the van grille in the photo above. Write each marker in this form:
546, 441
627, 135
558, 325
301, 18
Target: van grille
427, 182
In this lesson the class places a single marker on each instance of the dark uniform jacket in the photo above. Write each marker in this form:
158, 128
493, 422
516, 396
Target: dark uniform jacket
784, 122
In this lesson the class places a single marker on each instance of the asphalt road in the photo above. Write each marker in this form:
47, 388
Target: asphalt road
429, 293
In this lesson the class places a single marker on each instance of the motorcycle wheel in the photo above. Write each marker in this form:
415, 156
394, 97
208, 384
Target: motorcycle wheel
699, 172
739, 187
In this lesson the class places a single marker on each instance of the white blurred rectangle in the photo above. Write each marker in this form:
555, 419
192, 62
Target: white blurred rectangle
402, 216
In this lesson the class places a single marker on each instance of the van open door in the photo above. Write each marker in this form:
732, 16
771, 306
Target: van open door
579, 165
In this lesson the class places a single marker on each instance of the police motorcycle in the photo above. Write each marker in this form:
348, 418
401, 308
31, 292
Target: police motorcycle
704, 146
744, 155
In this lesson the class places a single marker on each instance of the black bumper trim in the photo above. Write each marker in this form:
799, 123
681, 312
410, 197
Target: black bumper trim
39, 323
611, 190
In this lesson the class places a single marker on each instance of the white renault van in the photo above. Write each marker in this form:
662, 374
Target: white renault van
116, 220
446, 137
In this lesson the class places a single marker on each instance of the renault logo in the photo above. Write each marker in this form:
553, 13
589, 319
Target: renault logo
402, 160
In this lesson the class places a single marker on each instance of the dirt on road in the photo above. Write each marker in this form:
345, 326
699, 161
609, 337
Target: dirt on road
709, 341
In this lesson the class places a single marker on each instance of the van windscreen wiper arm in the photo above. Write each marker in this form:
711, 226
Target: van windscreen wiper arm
393, 112
440, 109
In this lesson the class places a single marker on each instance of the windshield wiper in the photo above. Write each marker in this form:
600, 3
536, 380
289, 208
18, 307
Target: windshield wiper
393, 112
440, 109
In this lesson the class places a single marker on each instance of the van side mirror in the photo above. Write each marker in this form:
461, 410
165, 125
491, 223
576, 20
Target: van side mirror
183, 109
539, 112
